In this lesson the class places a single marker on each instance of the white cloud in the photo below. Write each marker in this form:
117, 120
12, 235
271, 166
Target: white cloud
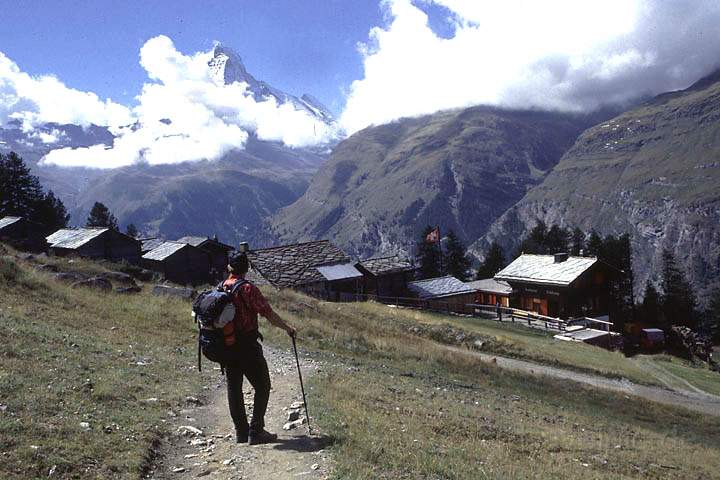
555, 54
182, 114
36, 100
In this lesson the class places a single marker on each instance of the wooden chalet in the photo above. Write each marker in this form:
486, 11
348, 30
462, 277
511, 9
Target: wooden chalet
216, 250
318, 268
559, 285
491, 292
151, 243
386, 276
104, 243
23, 234
443, 293
179, 263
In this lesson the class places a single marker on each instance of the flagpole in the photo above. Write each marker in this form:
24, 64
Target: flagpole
440, 250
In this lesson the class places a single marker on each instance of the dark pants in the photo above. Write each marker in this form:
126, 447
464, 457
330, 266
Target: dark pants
247, 360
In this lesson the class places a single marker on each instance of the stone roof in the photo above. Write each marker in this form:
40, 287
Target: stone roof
200, 241
72, 238
5, 221
149, 244
544, 270
386, 265
293, 265
490, 285
163, 251
439, 287
340, 271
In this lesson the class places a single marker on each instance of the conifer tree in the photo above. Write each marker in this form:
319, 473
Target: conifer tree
594, 244
22, 195
577, 242
100, 216
713, 316
456, 261
556, 240
493, 263
678, 301
428, 256
131, 230
651, 309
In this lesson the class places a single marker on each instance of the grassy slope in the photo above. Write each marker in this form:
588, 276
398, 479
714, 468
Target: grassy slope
76, 355
454, 418
457, 418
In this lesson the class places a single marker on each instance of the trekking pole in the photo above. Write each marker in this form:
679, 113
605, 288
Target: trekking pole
302, 388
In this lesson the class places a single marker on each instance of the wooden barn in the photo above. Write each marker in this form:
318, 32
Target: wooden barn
443, 293
317, 268
491, 292
179, 263
386, 276
559, 285
23, 234
216, 250
102, 243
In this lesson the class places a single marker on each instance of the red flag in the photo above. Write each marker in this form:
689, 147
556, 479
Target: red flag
434, 236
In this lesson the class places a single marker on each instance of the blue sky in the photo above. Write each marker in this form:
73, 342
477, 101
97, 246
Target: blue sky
306, 46
61, 60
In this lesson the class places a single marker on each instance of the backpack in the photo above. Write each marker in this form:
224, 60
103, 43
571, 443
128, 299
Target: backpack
208, 308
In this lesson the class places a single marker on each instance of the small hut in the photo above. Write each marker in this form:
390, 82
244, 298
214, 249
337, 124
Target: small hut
179, 263
443, 293
97, 242
216, 250
23, 234
386, 276
491, 292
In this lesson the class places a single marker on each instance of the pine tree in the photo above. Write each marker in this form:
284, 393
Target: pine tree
428, 256
556, 240
577, 242
713, 316
678, 301
52, 213
456, 261
594, 244
22, 195
493, 263
536, 240
131, 230
20, 191
100, 216
651, 309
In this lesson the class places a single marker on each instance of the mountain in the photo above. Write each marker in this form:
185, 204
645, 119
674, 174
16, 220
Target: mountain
227, 67
231, 197
653, 172
460, 169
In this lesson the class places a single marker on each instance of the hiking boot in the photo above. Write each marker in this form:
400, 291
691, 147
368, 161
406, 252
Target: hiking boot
241, 437
262, 437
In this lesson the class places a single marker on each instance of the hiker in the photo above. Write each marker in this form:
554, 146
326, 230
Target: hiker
245, 355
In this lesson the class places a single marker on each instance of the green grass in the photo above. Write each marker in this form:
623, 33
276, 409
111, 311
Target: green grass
75, 355
400, 405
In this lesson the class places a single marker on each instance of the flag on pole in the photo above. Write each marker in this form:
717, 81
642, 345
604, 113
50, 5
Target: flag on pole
433, 236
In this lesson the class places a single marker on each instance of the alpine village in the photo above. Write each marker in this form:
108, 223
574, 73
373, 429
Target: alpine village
484, 290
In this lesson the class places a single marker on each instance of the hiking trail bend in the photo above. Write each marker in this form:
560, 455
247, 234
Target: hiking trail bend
214, 454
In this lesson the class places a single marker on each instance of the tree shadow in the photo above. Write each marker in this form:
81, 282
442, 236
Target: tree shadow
304, 443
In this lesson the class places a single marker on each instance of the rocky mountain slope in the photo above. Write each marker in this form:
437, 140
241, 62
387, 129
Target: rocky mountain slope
653, 172
461, 169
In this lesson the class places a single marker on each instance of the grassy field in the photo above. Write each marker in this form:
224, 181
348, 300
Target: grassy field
87, 380
402, 406
517, 341
397, 404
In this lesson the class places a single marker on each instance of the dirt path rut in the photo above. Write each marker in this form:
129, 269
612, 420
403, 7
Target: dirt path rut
693, 400
214, 454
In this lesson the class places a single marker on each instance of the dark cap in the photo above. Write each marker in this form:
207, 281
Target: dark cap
239, 263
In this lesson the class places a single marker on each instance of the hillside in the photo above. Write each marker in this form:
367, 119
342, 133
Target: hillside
391, 399
461, 169
653, 172
231, 197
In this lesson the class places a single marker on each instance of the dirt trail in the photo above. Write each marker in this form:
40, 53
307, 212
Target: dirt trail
692, 400
214, 453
